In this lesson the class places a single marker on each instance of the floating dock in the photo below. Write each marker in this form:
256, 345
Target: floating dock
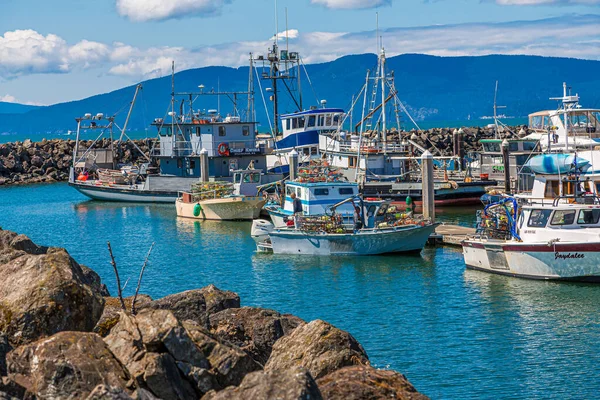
450, 235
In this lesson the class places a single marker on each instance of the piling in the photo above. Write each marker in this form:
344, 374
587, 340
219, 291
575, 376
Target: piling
293, 163
204, 165
506, 162
428, 196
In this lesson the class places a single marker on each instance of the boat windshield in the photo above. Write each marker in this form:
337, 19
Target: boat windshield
538, 218
563, 217
588, 217
585, 121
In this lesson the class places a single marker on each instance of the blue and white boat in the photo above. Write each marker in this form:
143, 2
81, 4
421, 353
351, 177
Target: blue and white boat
325, 235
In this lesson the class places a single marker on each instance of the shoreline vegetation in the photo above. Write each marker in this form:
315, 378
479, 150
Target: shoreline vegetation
63, 336
50, 160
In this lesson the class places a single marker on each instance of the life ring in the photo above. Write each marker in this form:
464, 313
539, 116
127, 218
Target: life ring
223, 149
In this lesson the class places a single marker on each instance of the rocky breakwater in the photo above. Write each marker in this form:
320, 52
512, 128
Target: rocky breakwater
61, 336
50, 160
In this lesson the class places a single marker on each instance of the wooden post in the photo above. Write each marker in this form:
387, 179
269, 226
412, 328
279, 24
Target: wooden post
293, 163
204, 165
506, 162
428, 194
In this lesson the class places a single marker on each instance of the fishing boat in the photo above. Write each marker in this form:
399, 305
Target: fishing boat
173, 163
569, 127
384, 159
386, 231
223, 200
557, 240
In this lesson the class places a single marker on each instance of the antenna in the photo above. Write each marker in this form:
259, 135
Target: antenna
287, 42
276, 23
377, 30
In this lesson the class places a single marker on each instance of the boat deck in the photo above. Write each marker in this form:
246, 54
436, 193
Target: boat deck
450, 235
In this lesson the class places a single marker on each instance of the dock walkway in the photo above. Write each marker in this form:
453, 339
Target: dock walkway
450, 235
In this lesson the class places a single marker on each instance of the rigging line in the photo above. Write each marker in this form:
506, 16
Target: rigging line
262, 95
291, 95
309, 80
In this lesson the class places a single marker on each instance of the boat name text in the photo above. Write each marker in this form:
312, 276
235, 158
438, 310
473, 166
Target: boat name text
565, 256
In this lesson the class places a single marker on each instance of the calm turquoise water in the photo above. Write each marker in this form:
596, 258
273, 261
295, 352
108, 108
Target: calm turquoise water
455, 334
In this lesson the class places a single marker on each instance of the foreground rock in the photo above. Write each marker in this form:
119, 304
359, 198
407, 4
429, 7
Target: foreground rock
196, 305
254, 330
319, 347
175, 360
66, 365
112, 311
292, 384
5, 347
365, 382
43, 291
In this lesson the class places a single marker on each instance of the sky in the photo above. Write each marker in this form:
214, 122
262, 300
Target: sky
63, 50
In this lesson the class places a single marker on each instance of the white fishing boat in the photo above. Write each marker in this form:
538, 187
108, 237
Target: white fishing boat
386, 232
557, 240
223, 200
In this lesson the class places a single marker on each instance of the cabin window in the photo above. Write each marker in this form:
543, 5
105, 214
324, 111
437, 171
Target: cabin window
321, 192
529, 146
563, 217
588, 217
551, 189
306, 151
294, 123
198, 131
222, 131
179, 163
538, 218
336, 119
352, 161
166, 131
328, 120
311, 121
192, 164
289, 190
287, 124
513, 146
346, 191
301, 122
321, 120
245, 130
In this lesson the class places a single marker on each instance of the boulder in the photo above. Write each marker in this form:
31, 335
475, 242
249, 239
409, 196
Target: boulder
44, 291
5, 347
254, 330
175, 360
66, 365
290, 384
319, 347
104, 392
365, 382
10, 390
196, 305
112, 310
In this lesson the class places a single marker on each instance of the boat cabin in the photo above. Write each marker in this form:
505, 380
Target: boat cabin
316, 197
230, 143
566, 222
519, 150
301, 129
246, 181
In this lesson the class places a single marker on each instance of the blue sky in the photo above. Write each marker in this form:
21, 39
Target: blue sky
61, 50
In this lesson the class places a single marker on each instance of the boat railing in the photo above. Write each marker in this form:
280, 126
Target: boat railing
348, 146
586, 199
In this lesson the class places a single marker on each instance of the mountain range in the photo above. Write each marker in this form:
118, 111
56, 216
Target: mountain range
432, 89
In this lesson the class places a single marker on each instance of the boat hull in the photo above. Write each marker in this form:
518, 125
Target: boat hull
124, 194
367, 242
574, 261
230, 208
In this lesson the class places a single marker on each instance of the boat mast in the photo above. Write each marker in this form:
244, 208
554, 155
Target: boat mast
173, 135
565, 116
496, 107
137, 89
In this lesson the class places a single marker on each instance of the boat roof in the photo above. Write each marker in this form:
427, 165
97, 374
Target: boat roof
316, 111
312, 184
569, 110
510, 140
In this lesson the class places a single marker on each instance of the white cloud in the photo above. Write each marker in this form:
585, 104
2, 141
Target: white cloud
290, 34
545, 2
26, 52
352, 4
7, 98
158, 10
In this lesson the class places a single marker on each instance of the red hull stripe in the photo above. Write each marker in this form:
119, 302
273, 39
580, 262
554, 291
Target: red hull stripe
562, 247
